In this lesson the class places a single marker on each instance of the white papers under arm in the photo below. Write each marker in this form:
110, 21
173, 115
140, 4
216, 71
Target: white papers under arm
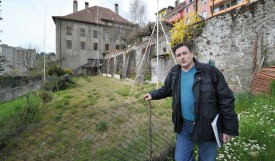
216, 131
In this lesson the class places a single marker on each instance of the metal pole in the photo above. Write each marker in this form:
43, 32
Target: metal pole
44, 76
157, 44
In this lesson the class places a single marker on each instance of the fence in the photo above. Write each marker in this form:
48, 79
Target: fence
117, 133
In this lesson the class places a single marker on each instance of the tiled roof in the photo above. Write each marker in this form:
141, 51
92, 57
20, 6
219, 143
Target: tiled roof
176, 8
261, 82
89, 15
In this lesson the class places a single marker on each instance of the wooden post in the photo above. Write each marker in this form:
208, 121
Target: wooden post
150, 129
254, 67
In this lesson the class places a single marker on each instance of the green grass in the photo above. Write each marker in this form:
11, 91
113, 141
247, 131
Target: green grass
257, 131
21, 113
124, 92
13, 106
10, 107
88, 120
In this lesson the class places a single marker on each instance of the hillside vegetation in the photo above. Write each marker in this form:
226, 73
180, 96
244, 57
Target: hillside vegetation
95, 118
98, 119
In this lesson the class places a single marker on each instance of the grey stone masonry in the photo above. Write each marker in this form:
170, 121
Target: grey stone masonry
228, 40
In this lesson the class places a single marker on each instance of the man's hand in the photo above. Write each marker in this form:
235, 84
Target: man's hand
226, 138
147, 97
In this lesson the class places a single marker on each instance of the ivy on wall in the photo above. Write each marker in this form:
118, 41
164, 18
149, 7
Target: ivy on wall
7, 81
186, 28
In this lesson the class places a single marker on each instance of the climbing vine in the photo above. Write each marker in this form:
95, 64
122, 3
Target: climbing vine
186, 28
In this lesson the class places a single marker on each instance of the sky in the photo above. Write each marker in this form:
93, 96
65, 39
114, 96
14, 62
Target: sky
25, 22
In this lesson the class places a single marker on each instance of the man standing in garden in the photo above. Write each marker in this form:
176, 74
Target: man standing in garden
199, 93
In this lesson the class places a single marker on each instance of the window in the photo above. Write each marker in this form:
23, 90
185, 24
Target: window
69, 30
106, 34
82, 32
234, 2
117, 47
82, 45
203, 2
216, 10
69, 44
227, 5
188, 20
187, 10
191, 1
117, 36
240, 1
94, 34
204, 14
95, 46
221, 7
106, 47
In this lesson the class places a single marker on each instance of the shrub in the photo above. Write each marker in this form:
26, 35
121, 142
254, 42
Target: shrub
15, 81
12, 125
56, 71
56, 83
68, 71
45, 96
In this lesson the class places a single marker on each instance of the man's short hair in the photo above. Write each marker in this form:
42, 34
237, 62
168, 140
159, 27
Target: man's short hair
188, 45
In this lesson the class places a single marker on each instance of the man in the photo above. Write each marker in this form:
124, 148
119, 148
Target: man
199, 92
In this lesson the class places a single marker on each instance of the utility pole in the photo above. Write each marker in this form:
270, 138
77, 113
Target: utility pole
44, 76
157, 19
1, 17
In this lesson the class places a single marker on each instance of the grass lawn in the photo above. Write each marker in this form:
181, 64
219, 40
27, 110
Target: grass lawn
98, 118
12, 107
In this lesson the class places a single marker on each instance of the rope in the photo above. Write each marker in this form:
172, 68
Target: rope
168, 42
64, 4
97, 54
141, 63
147, 60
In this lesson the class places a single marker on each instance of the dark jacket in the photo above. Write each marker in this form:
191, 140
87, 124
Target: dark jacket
211, 95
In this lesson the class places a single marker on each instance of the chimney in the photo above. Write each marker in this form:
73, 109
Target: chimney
116, 8
75, 6
176, 3
86, 5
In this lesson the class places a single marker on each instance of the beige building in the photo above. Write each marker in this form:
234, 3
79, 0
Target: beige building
82, 37
221, 6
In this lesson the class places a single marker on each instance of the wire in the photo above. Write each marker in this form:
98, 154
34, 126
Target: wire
141, 62
44, 39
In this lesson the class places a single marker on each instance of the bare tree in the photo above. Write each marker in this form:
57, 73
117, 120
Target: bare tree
138, 12
26, 58
4, 63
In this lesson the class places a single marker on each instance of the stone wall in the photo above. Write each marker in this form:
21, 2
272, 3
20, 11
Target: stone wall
229, 40
10, 94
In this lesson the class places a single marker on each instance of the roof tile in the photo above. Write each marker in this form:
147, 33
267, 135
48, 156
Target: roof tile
89, 15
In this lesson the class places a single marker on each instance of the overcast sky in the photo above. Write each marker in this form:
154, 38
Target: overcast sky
23, 20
